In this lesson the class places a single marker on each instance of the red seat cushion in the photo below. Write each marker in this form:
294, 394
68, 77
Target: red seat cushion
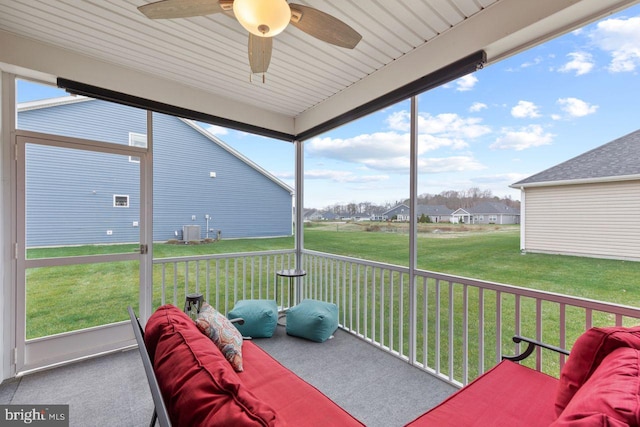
587, 353
199, 386
610, 396
294, 400
507, 395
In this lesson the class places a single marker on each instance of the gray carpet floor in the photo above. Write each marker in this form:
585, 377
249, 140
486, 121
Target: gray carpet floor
375, 387
112, 390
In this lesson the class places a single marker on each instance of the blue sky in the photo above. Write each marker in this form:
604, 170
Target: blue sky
488, 130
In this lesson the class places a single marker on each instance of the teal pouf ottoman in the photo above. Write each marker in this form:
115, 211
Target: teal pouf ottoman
312, 319
260, 317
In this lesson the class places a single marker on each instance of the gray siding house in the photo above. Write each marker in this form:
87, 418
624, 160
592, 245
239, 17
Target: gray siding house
400, 212
436, 213
202, 183
494, 213
586, 206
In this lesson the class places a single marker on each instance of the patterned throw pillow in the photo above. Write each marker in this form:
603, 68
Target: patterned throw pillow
216, 326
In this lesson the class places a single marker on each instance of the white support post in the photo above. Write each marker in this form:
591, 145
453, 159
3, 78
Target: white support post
413, 229
8, 234
299, 210
146, 229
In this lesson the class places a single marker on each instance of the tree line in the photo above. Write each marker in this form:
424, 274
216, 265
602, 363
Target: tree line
452, 199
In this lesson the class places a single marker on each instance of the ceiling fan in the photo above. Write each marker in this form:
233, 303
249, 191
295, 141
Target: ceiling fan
264, 19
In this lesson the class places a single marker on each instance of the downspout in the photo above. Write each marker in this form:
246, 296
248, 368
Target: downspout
299, 202
413, 228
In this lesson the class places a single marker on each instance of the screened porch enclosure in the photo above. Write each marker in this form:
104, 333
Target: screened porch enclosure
452, 327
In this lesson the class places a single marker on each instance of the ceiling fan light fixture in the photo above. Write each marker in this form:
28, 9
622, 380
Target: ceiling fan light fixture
263, 18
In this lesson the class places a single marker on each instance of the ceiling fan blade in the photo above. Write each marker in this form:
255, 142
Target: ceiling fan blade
323, 26
259, 53
167, 9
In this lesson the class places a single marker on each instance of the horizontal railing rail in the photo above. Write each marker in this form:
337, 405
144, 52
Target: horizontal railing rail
453, 327
222, 279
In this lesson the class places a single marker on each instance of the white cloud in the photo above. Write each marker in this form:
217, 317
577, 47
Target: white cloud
362, 147
452, 125
619, 37
525, 109
477, 106
581, 63
389, 151
343, 176
399, 120
466, 83
575, 107
448, 125
217, 130
450, 164
504, 178
534, 61
523, 138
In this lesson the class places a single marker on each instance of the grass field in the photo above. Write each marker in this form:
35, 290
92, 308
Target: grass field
73, 297
488, 253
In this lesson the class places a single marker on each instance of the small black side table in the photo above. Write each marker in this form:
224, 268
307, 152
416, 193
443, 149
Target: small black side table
291, 274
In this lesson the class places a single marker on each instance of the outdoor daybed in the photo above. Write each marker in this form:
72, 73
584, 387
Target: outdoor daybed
199, 387
599, 385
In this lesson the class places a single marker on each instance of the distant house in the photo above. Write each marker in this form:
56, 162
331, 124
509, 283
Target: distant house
198, 180
312, 215
461, 216
435, 213
399, 212
495, 213
586, 206
402, 212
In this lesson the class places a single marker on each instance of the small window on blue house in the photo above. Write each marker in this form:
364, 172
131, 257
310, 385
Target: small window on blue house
120, 201
137, 140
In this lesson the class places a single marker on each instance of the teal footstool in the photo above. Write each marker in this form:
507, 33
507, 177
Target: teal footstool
312, 319
260, 317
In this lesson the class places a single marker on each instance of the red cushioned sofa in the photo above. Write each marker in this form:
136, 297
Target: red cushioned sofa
192, 384
196, 386
598, 386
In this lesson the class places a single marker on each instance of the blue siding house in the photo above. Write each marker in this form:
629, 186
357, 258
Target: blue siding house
198, 180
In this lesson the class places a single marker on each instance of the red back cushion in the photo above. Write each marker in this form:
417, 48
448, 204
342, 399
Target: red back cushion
198, 384
610, 397
587, 353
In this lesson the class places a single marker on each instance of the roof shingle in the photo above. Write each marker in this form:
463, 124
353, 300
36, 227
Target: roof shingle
620, 157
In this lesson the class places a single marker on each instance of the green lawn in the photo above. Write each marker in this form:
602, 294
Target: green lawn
72, 297
491, 256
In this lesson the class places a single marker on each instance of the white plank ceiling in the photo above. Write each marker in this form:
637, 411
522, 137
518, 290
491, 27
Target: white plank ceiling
209, 54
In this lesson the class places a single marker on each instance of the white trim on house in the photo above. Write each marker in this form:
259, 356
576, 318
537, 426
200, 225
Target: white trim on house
239, 155
578, 181
52, 102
